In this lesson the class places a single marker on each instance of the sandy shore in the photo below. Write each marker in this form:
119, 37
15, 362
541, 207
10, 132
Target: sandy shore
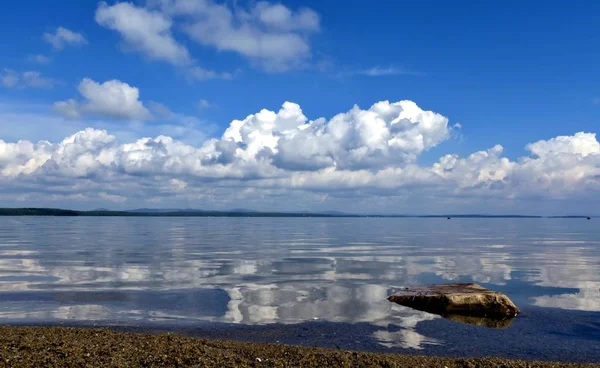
76, 347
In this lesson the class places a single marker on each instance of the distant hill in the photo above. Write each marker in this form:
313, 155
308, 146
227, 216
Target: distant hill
177, 212
162, 210
36, 212
243, 210
480, 216
233, 210
334, 213
148, 213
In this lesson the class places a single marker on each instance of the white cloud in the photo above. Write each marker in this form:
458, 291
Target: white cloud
277, 16
9, 78
149, 32
12, 79
378, 71
39, 59
35, 79
63, 37
375, 138
266, 145
368, 155
204, 104
582, 144
114, 99
270, 35
144, 30
199, 73
112, 197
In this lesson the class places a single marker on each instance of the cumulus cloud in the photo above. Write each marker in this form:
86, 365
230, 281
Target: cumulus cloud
271, 35
63, 37
386, 134
148, 31
582, 144
361, 153
559, 168
114, 99
12, 79
277, 16
144, 30
268, 144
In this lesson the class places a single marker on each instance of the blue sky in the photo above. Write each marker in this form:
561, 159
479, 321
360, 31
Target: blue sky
511, 75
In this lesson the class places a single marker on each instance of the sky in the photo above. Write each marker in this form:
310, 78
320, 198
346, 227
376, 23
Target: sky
370, 107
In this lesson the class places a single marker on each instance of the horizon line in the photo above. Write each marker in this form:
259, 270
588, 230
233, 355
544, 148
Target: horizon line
149, 212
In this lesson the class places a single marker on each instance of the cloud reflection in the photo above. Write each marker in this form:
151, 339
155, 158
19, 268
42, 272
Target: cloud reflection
283, 271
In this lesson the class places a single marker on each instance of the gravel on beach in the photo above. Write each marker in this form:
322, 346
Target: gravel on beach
80, 347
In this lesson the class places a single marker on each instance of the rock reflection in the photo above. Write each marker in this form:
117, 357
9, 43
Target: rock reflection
480, 321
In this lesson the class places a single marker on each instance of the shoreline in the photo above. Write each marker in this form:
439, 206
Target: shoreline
35, 346
59, 212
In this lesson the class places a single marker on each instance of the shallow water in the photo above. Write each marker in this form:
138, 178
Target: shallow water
312, 281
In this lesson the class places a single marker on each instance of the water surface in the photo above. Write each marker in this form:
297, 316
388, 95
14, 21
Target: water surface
312, 281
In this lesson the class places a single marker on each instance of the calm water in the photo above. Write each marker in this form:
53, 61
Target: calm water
308, 281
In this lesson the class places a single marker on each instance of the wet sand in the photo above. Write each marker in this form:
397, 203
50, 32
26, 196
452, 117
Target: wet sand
80, 347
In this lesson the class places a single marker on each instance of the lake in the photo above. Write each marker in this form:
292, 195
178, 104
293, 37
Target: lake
308, 281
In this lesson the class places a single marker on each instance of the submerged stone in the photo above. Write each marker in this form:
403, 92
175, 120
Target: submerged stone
455, 300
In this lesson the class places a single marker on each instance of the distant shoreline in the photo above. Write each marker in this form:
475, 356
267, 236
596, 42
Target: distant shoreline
201, 213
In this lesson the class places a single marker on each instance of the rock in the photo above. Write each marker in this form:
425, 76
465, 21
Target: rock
457, 299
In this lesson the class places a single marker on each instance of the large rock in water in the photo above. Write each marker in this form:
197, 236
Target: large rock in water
457, 299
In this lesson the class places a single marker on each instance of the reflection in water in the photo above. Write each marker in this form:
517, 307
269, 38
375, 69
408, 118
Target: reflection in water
480, 321
587, 299
405, 339
262, 271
